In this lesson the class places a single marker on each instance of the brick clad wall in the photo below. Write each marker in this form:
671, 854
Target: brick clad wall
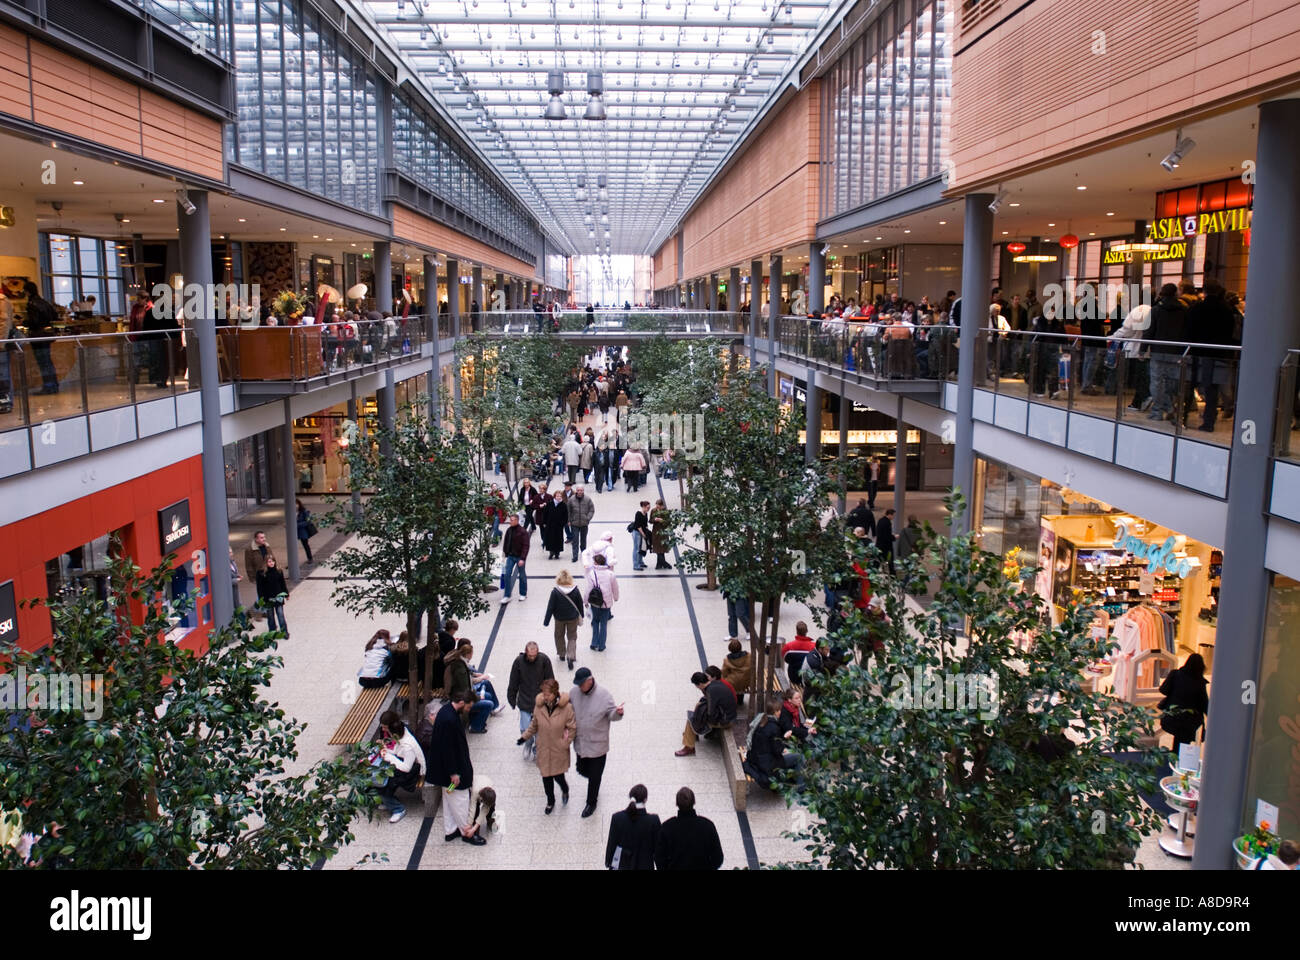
1032, 88
768, 200
44, 85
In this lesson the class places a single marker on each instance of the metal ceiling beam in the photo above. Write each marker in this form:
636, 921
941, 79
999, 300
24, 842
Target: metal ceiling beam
565, 19
580, 72
616, 47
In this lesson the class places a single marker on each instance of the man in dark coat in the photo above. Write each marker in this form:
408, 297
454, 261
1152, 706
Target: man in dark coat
715, 711
526, 675
688, 841
1169, 323
447, 759
861, 516
885, 537
1210, 321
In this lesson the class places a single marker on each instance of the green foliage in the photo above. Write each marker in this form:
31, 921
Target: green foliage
899, 784
421, 543
186, 766
682, 376
759, 506
507, 407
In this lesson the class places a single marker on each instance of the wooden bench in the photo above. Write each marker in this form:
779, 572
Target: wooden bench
356, 725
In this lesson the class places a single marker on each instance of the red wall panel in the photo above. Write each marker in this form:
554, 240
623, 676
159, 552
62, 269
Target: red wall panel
26, 545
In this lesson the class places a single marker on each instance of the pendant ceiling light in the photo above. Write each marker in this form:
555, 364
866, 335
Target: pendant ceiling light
596, 90
555, 87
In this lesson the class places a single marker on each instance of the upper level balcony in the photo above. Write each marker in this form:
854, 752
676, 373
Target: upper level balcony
65, 397
915, 360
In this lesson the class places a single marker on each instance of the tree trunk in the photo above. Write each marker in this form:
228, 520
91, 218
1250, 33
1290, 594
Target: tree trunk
758, 652
772, 609
412, 670
430, 646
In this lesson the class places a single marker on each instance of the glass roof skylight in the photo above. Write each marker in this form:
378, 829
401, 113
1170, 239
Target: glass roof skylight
681, 80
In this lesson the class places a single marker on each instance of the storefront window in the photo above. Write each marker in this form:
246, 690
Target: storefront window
75, 268
1275, 749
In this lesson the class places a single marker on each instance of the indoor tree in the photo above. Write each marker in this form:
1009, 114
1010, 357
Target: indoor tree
1027, 769
181, 761
760, 509
421, 543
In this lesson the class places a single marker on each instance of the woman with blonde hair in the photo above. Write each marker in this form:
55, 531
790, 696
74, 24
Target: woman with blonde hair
565, 605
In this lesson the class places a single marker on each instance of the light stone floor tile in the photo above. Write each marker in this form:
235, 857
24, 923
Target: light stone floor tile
651, 654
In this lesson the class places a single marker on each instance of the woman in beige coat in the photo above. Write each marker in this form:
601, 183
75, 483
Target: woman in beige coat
555, 727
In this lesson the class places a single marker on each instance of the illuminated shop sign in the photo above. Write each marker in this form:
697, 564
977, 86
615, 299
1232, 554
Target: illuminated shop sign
174, 526
1175, 251
1158, 556
1218, 221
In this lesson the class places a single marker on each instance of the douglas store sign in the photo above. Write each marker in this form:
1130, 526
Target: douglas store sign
174, 526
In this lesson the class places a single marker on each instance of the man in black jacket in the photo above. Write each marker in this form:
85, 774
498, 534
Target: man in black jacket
514, 547
1210, 321
40, 320
448, 763
861, 516
688, 841
526, 675
1169, 323
715, 711
885, 538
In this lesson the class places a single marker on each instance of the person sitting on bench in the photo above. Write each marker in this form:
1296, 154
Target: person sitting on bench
376, 669
715, 711
767, 759
399, 748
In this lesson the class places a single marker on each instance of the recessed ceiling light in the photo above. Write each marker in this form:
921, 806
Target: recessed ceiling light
243, 220
78, 183
126, 219
907, 231
1015, 204
160, 201
943, 223
1092, 233
1004, 233
354, 244
880, 238
315, 236
1051, 224
1110, 213
329, 239
1081, 187
282, 229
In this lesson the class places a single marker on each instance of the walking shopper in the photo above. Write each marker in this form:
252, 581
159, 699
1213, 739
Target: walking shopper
553, 725
885, 538
688, 841
633, 466
659, 534
565, 605
715, 711
601, 586
271, 593
554, 516
451, 769
530, 669
587, 457
514, 547
582, 509
306, 529
399, 748
256, 554
633, 834
640, 530
594, 710
873, 481
1185, 702
572, 450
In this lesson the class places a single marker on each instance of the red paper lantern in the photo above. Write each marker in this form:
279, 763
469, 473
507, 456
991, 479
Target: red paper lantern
1068, 241
1016, 247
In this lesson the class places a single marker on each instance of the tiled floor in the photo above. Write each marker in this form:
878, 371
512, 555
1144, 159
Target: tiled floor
651, 654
